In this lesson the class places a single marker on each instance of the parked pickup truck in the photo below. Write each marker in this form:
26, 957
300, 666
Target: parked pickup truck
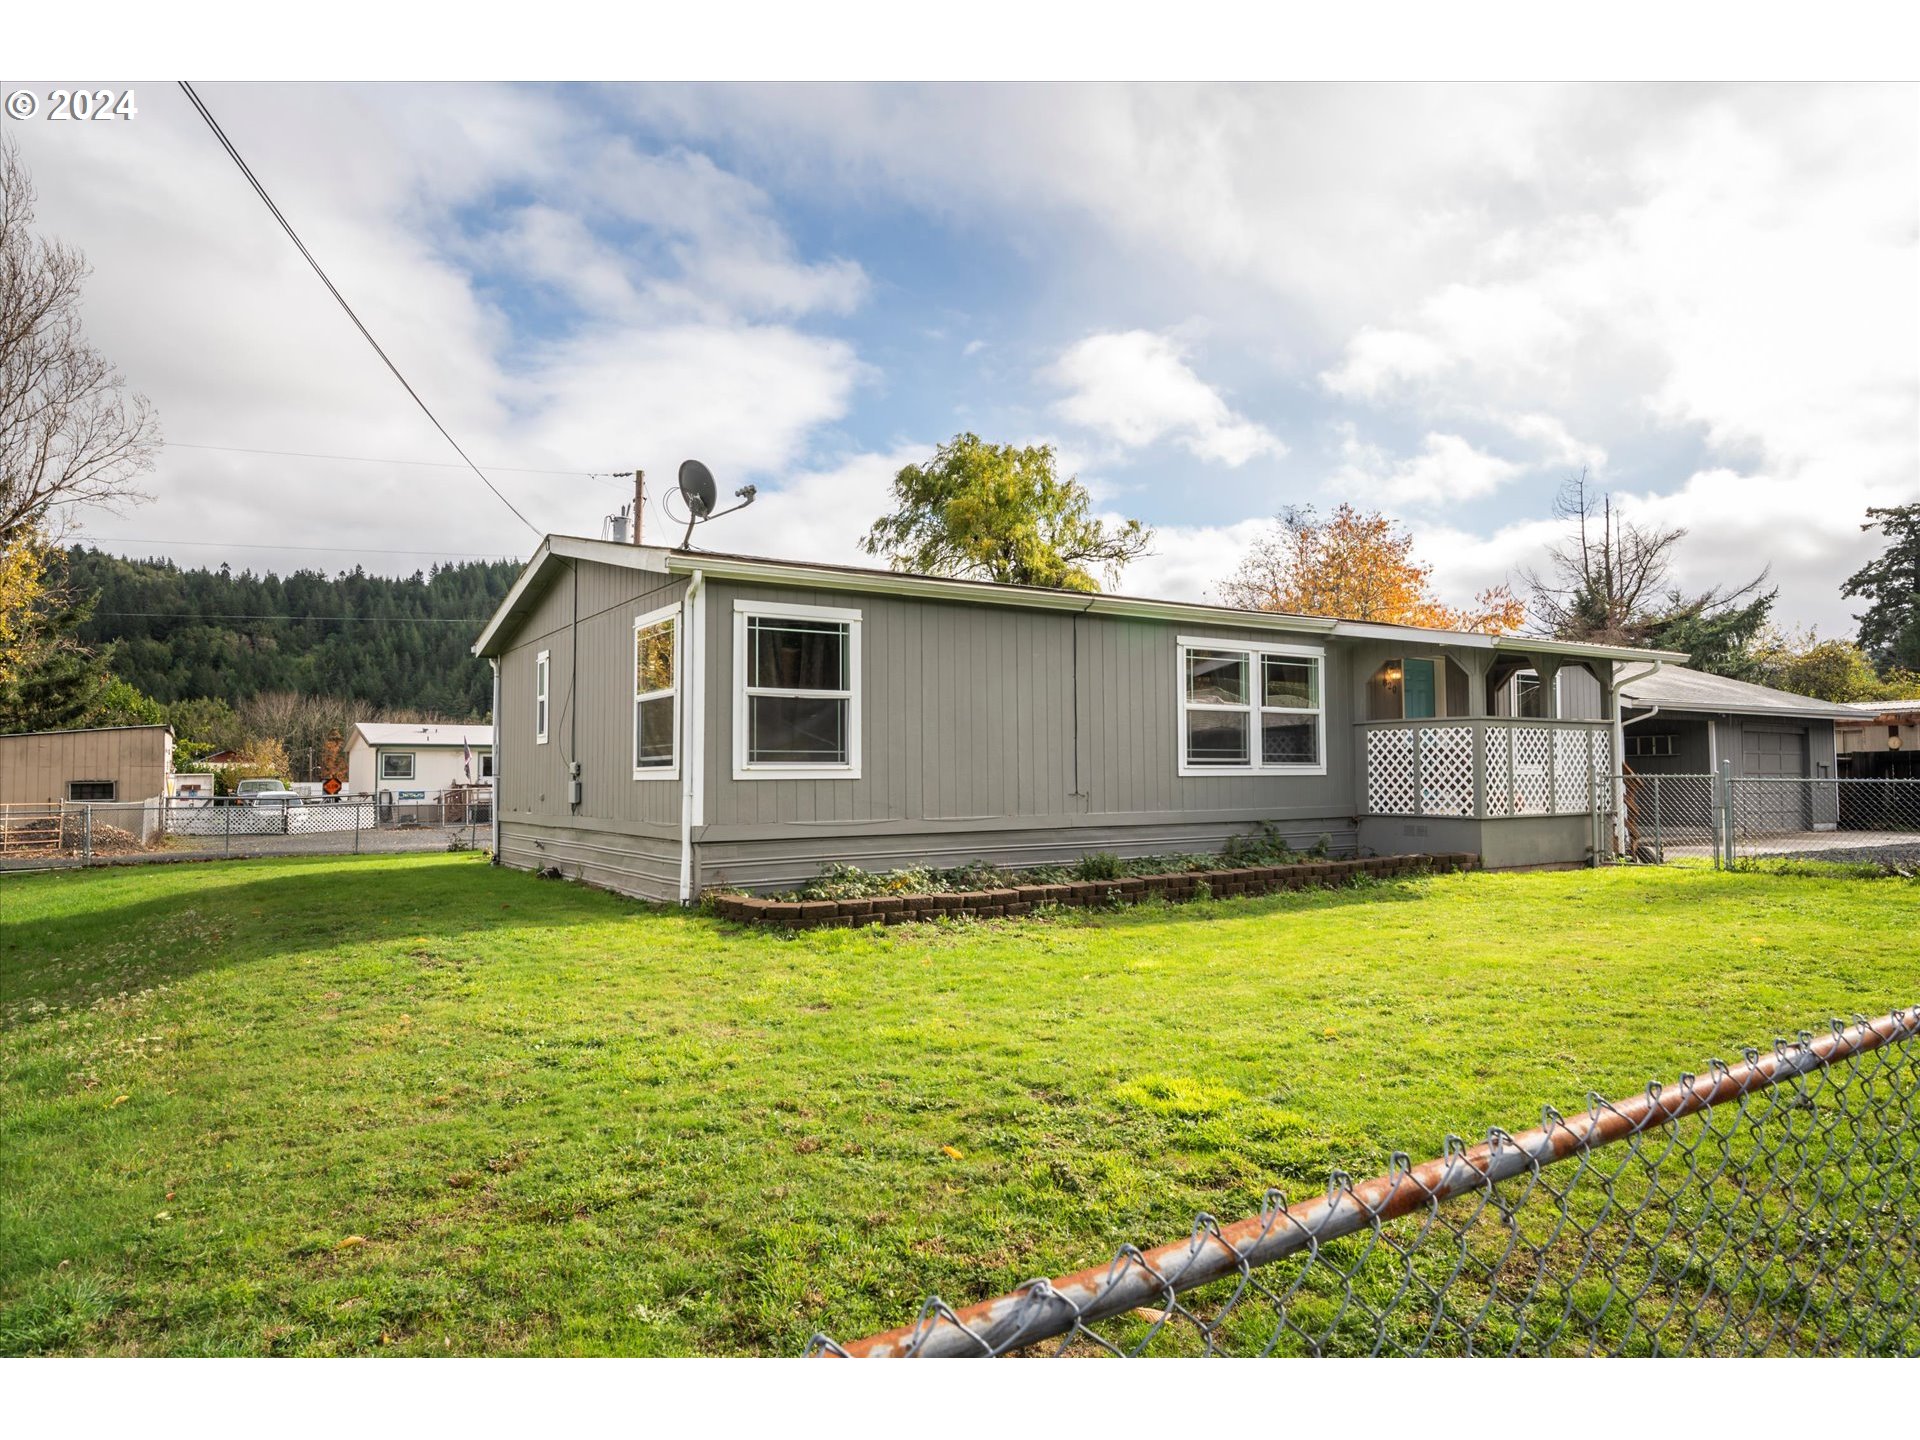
266, 792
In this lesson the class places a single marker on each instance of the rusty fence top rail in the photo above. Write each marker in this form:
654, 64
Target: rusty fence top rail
1151, 1281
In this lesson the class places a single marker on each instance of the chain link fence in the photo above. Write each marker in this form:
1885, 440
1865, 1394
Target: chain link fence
174, 828
1847, 821
1769, 1207
1741, 820
1669, 817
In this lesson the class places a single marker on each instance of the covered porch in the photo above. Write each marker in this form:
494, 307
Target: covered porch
1499, 747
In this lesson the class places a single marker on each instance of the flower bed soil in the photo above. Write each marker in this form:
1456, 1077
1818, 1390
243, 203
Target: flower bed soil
1087, 894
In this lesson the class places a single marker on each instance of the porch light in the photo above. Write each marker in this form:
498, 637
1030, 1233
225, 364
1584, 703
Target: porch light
1391, 675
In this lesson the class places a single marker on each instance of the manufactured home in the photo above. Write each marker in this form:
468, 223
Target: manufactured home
667, 721
416, 764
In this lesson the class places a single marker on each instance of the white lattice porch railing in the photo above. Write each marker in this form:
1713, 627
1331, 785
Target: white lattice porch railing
1484, 767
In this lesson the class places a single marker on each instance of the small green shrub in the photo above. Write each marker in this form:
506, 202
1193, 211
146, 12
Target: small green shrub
1100, 865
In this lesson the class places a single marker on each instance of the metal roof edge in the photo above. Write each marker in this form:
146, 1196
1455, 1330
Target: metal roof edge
769, 571
554, 548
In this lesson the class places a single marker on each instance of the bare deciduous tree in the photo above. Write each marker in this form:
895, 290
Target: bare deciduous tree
1608, 578
69, 432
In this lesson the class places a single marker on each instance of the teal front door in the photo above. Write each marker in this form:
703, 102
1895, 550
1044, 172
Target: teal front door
1420, 690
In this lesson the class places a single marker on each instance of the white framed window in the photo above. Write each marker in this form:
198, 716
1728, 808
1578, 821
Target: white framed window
656, 695
1643, 746
1527, 697
486, 764
396, 765
1251, 709
88, 790
540, 668
796, 692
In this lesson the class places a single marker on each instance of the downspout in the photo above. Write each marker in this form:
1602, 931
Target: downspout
692, 730
496, 760
1619, 782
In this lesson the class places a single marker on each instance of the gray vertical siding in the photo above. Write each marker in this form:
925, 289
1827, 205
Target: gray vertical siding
987, 731
625, 833
969, 713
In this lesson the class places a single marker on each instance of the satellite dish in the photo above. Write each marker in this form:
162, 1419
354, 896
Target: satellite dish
697, 488
699, 491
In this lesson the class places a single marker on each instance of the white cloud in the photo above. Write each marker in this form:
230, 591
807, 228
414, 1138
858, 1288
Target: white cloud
817, 514
686, 333
1687, 279
1137, 388
1554, 444
1446, 470
1189, 561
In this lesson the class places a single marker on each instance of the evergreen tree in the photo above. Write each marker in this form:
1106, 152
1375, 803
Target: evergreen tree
1890, 628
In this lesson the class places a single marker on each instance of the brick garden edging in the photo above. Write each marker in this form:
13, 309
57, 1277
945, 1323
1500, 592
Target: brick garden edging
1022, 899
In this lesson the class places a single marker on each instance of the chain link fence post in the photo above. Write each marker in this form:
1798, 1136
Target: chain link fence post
1727, 815
86, 844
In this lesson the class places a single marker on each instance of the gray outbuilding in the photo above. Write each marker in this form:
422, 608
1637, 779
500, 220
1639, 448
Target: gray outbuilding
667, 721
1686, 722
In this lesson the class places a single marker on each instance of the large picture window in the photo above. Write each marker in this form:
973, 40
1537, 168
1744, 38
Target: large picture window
656, 695
797, 691
1250, 709
540, 698
396, 765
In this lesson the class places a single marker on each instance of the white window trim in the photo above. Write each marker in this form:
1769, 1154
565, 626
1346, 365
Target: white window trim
1253, 650
542, 703
742, 611
413, 764
669, 614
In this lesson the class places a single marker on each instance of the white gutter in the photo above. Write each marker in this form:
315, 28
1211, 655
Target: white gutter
693, 727
495, 807
1620, 683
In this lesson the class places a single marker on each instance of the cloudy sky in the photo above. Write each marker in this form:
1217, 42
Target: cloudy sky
1215, 301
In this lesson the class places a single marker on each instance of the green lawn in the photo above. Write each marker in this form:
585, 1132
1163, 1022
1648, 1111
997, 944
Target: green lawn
323, 1106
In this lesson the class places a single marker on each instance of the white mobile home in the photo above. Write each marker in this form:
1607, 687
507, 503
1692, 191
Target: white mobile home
416, 764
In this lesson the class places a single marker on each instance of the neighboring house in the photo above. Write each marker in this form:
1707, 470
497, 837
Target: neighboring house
416, 763
120, 764
673, 720
1686, 722
1879, 740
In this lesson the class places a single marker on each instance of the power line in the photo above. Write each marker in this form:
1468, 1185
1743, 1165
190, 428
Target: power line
318, 549
293, 235
379, 460
211, 617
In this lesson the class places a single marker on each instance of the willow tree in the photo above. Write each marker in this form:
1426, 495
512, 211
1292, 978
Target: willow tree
1001, 513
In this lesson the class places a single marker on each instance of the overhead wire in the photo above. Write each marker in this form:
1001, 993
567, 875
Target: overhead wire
83, 539
381, 460
332, 289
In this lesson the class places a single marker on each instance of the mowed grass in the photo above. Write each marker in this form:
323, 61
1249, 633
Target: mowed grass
326, 1106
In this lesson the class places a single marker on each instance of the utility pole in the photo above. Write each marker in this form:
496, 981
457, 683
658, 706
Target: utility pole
639, 501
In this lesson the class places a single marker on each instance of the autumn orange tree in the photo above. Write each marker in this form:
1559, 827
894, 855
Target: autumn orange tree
1357, 565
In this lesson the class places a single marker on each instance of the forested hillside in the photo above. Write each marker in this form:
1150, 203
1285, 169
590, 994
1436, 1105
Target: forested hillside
396, 642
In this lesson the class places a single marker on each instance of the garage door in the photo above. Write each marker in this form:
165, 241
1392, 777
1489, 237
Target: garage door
1780, 752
